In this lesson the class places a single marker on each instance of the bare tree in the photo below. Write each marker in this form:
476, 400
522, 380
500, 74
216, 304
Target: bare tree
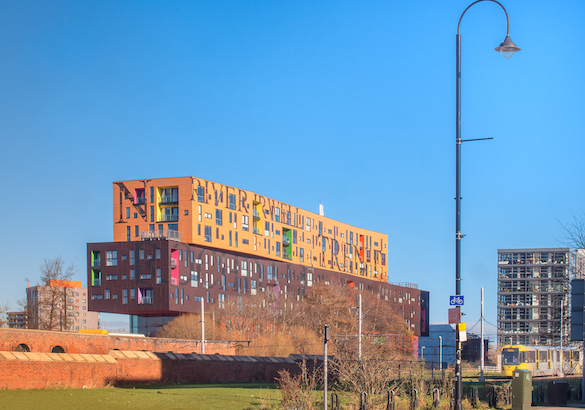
46, 308
573, 233
3, 318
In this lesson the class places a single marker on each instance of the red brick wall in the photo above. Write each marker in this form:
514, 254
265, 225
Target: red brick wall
99, 360
44, 341
39, 371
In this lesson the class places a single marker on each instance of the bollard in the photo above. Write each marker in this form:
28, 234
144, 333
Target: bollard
364, 401
391, 402
493, 398
509, 395
436, 398
540, 394
474, 397
414, 400
334, 401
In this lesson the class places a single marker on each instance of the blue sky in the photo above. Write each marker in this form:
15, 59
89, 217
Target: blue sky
348, 103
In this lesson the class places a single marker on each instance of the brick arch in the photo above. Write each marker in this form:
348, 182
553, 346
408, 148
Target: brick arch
22, 347
57, 349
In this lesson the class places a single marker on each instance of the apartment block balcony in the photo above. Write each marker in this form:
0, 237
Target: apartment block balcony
146, 300
285, 240
96, 262
164, 234
256, 214
256, 231
169, 218
140, 201
96, 282
286, 255
169, 199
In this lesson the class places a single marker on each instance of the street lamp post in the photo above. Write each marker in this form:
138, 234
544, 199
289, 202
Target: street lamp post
441, 352
507, 48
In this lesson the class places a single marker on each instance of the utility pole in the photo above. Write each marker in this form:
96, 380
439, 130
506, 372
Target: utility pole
325, 340
202, 326
562, 370
360, 327
481, 377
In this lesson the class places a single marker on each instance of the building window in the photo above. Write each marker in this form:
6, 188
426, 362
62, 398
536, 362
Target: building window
128, 213
158, 276
152, 214
112, 258
232, 201
244, 222
141, 254
132, 257
207, 233
218, 217
132, 293
128, 234
201, 194
309, 224
157, 253
132, 274
107, 293
152, 195
136, 231
173, 227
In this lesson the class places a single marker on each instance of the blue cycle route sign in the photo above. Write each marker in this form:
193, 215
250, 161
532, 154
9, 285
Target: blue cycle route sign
456, 300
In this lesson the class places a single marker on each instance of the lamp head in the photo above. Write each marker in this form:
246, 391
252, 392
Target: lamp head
507, 47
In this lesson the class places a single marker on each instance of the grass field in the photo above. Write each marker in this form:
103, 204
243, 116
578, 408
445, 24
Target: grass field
201, 396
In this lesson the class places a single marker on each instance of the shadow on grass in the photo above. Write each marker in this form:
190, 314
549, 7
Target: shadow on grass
271, 386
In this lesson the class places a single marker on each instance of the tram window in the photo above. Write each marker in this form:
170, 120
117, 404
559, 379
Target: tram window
530, 358
510, 357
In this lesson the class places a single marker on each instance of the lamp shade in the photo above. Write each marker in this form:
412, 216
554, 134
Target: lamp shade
507, 47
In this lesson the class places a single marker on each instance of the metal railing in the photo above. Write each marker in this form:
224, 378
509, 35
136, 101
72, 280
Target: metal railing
169, 199
165, 234
169, 218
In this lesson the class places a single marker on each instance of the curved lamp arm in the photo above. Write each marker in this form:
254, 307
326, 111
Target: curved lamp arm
506, 47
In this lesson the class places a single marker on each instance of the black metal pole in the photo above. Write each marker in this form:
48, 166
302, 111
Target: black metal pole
458, 381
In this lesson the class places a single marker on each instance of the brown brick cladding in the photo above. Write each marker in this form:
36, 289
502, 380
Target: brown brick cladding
39, 341
288, 282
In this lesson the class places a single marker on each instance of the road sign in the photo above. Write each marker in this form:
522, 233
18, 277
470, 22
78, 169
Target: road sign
456, 300
454, 315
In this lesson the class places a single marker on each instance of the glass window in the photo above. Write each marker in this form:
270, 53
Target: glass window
112, 258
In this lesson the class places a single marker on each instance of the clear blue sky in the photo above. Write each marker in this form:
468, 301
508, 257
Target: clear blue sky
349, 103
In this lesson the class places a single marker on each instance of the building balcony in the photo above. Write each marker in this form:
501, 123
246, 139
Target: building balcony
256, 214
286, 255
96, 282
256, 231
96, 262
140, 201
164, 234
285, 240
146, 300
169, 199
169, 218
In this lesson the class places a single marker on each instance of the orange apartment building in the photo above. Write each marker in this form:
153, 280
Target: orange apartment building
169, 231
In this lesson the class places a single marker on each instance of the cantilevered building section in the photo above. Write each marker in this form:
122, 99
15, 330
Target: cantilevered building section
177, 240
533, 284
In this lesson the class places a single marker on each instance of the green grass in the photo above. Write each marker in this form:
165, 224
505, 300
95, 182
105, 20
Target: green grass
192, 396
